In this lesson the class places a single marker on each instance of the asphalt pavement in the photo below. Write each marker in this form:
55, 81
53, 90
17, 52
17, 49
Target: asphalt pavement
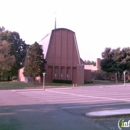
63, 109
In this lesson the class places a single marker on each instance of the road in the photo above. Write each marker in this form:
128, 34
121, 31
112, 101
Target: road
62, 109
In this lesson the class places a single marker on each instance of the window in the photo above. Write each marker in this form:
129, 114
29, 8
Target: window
55, 72
67, 73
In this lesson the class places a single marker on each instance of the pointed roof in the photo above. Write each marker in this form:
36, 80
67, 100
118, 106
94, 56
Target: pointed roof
55, 23
46, 40
45, 43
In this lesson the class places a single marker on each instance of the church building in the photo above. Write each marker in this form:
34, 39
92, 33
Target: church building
64, 64
62, 55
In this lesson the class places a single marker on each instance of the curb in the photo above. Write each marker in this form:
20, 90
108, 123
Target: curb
109, 113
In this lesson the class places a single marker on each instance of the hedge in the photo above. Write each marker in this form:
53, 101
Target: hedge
62, 81
88, 82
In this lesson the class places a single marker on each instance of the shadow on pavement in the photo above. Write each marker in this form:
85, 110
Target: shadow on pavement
52, 117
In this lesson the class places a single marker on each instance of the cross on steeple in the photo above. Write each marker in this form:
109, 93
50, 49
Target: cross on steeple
55, 20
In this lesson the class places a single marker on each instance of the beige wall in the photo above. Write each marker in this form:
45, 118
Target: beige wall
92, 67
91, 71
22, 78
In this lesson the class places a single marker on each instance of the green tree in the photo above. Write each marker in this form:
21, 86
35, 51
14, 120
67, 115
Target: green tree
34, 62
111, 61
116, 60
7, 59
18, 46
126, 58
2, 29
107, 65
88, 62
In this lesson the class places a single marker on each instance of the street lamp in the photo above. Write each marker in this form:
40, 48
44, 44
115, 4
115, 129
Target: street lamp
116, 77
44, 80
124, 76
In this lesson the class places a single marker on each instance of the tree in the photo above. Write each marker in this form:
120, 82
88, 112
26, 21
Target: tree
107, 53
34, 62
7, 59
2, 29
18, 46
116, 60
126, 58
88, 62
107, 65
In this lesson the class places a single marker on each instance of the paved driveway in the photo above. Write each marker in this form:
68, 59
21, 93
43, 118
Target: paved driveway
62, 109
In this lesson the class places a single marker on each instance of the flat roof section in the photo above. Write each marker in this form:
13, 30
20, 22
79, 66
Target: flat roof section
109, 113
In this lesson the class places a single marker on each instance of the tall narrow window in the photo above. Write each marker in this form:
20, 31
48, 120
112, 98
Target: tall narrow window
67, 73
61, 72
55, 72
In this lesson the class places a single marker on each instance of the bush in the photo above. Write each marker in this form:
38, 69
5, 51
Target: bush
69, 81
62, 81
88, 82
100, 78
56, 81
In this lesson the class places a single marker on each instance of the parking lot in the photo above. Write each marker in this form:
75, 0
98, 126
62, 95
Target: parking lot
64, 108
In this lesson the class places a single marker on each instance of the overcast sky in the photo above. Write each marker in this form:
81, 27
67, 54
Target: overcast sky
97, 23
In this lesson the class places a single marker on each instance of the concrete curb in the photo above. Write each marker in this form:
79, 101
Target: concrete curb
21, 90
109, 113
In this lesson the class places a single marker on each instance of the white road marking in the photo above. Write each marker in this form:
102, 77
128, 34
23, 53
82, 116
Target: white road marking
61, 88
89, 96
55, 96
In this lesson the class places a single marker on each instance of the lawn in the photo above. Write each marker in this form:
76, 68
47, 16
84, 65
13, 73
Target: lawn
18, 85
103, 82
22, 85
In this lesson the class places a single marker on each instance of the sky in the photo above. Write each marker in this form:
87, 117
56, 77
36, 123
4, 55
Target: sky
97, 23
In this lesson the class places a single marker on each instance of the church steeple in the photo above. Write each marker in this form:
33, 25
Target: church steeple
55, 23
55, 20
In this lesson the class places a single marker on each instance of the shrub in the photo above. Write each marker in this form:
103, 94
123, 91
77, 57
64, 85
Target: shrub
56, 81
100, 78
69, 81
88, 82
62, 81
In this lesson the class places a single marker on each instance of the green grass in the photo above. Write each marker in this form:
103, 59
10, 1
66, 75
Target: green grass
104, 82
18, 85
22, 85
101, 82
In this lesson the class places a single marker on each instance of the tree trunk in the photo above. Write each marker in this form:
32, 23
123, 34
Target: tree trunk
8, 78
120, 76
34, 80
